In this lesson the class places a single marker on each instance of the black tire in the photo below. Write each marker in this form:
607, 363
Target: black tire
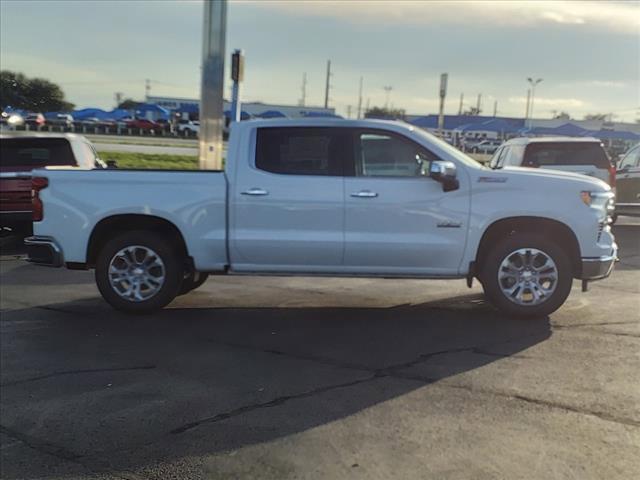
165, 251
503, 250
192, 281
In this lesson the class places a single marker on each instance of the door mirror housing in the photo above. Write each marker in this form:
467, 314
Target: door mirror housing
444, 172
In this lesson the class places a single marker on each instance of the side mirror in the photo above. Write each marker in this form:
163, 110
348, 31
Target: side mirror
112, 164
445, 173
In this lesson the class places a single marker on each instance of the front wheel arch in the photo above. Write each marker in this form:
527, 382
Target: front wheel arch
558, 231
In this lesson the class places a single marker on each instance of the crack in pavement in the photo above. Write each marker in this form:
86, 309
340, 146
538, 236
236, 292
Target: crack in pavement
271, 403
74, 372
389, 371
514, 396
61, 453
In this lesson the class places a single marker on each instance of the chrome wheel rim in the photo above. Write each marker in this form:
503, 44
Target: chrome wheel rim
528, 276
136, 273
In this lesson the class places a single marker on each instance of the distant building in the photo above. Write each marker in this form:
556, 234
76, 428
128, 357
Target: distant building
190, 108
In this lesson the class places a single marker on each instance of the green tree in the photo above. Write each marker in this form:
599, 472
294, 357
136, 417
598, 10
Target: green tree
129, 104
33, 94
385, 113
596, 116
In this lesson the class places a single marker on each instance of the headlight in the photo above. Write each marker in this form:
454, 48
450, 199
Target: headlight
597, 199
602, 202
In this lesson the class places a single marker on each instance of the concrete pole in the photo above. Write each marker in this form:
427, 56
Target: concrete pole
461, 102
360, 100
526, 112
327, 85
211, 87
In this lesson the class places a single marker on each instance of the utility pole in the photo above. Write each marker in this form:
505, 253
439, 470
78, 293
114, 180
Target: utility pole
461, 101
387, 90
147, 89
479, 104
360, 100
443, 93
211, 87
367, 107
495, 108
348, 111
327, 85
303, 99
526, 112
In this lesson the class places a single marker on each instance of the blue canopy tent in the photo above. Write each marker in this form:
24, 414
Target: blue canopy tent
564, 130
152, 112
495, 125
271, 114
613, 135
243, 115
321, 114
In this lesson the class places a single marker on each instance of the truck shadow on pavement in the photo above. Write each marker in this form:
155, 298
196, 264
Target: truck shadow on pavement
101, 391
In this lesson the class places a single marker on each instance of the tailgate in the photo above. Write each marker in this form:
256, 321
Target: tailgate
15, 191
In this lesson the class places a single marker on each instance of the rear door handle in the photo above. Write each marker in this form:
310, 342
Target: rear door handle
364, 194
255, 192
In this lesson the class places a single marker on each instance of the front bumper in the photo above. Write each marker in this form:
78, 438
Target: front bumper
599, 268
43, 251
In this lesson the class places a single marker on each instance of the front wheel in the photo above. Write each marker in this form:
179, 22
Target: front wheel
138, 272
527, 275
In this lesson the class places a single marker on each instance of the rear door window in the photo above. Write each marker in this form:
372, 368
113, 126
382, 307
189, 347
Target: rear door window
302, 150
32, 153
569, 153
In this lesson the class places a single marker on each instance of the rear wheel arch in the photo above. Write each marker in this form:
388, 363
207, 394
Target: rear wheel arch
112, 226
553, 229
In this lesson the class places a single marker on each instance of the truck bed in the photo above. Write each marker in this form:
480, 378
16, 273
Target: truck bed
194, 201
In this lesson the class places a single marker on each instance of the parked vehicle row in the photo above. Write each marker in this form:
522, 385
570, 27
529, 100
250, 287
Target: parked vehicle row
326, 197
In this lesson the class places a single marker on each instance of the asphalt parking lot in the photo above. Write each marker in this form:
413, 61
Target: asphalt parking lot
318, 378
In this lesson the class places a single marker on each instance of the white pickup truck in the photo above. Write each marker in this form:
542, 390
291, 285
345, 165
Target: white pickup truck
328, 197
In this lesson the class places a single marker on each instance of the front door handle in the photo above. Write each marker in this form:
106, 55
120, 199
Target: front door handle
364, 194
255, 191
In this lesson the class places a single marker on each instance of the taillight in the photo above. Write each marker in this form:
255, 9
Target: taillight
37, 184
612, 176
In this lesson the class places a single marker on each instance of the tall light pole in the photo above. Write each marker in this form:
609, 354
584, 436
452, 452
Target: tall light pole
533, 84
211, 86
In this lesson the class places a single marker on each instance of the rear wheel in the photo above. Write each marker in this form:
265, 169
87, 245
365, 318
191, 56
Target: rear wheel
137, 272
527, 275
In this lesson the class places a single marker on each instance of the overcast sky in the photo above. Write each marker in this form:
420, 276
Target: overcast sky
588, 53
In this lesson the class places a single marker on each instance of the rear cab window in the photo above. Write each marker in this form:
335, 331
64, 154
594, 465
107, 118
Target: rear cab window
565, 153
30, 153
302, 150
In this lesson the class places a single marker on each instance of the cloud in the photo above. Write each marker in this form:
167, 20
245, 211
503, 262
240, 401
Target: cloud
551, 102
621, 17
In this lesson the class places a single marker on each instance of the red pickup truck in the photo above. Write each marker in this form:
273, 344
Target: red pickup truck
21, 154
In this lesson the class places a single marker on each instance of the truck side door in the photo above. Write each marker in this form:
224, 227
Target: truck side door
288, 203
399, 220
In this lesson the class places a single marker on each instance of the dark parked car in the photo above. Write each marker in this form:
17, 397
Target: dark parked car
144, 124
628, 184
35, 120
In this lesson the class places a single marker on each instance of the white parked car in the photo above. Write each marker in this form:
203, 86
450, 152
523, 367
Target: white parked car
484, 146
584, 155
328, 197
188, 127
